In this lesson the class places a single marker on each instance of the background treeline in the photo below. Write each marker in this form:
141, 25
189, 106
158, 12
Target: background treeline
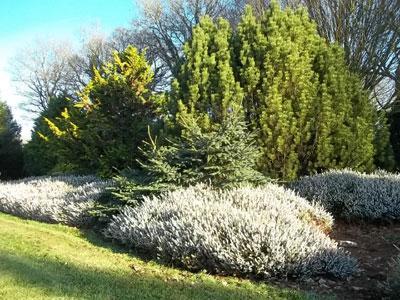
292, 96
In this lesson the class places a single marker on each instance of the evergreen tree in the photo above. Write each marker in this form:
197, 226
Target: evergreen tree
104, 129
206, 87
384, 155
41, 156
224, 157
311, 112
11, 157
344, 131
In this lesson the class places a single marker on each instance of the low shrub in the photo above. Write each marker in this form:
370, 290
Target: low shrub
264, 231
354, 196
60, 199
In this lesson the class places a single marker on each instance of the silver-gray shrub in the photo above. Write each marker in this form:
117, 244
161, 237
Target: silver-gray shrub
264, 231
353, 195
59, 199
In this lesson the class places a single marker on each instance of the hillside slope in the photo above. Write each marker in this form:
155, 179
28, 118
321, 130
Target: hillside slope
44, 261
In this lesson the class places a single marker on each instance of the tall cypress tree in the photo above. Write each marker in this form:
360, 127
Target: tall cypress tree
282, 46
206, 88
345, 127
311, 112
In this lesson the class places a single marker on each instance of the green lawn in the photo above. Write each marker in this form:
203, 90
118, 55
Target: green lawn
44, 261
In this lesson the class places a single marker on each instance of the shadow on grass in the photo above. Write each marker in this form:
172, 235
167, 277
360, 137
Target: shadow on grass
54, 278
95, 238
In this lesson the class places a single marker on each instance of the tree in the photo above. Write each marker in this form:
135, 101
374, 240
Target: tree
206, 87
313, 113
368, 32
42, 72
104, 128
50, 69
384, 154
309, 111
40, 153
275, 66
165, 26
95, 50
225, 157
11, 158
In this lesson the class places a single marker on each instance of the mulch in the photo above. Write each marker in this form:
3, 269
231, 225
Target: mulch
375, 247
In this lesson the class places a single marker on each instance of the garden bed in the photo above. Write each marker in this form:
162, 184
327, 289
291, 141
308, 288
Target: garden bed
374, 246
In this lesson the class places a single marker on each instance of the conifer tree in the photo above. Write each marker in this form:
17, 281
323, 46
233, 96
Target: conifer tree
11, 158
224, 157
104, 129
282, 47
206, 87
41, 155
311, 112
345, 126
384, 154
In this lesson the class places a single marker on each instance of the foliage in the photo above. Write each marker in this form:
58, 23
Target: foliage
163, 27
308, 111
384, 155
11, 157
354, 196
394, 121
295, 90
61, 199
224, 157
262, 231
311, 111
40, 153
210, 141
206, 87
103, 130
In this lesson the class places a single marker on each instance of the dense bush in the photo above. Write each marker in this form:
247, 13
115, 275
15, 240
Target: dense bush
353, 195
61, 199
265, 231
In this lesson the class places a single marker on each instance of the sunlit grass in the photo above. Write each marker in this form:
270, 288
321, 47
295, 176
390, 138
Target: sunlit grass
44, 261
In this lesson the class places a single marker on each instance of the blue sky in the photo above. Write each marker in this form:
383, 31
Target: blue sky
24, 21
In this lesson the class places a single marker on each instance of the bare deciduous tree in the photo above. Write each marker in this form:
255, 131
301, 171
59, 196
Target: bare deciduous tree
41, 72
369, 34
52, 68
164, 27
95, 49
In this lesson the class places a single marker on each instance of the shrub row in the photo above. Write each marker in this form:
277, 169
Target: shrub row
61, 199
266, 231
354, 196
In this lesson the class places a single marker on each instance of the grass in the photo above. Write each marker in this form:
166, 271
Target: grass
47, 261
